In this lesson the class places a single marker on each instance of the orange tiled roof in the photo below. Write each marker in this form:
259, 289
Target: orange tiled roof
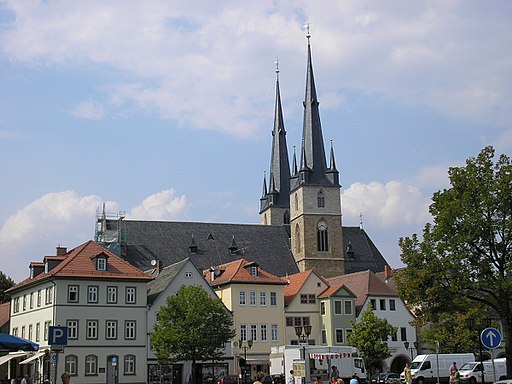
5, 311
295, 283
79, 262
238, 271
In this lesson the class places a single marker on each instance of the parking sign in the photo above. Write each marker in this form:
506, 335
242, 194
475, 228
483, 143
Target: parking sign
58, 335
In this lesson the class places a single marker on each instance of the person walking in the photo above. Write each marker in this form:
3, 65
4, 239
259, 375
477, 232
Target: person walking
407, 374
291, 378
66, 378
259, 378
334, 373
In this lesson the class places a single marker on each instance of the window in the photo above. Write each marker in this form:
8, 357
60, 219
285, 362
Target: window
275, 335
394, 337
15, 331
254, 271
254, 332
92, 329
263, 298
263, 332
92, 294
101, 264
71, 365
324, 336
252, 298
131, 295
273, 299
129, 326
72, 293
322, 237
72, 329
31, 300
337, 307
382, 304
111, 295
24, 302
286, 217
339, 336
38, 331
303, 299
297, 321
348, 307
111, 329
392, 305
91, 365
320, 199
23, 332
403, 334
322, 308
242, 298
16, 306
289, 321
188, 275
30, 329
48, 299
129, 365
305, 321
39, 298
46, 329
373, 302
297, 236
243, 332
311, 299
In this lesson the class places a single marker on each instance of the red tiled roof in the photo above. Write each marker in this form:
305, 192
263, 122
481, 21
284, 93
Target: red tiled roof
79, 262
295, 283
363, 284
238, 271
5, 311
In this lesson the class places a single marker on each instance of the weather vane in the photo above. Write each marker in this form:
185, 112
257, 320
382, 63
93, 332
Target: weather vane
277, 65
307, 26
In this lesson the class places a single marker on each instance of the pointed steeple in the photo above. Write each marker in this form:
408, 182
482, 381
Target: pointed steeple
332, 173
279, 182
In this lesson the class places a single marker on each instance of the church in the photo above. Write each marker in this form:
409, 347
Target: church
300, 216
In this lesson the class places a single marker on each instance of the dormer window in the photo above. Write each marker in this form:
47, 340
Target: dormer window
254, 271
101, 263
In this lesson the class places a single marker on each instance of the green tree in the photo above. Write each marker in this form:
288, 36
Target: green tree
193, 326
5, 283
465, 256
370, 337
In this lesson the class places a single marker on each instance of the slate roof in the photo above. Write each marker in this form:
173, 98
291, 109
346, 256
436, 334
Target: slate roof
79, 263
212, 244
163, 279
5, 313
362, 284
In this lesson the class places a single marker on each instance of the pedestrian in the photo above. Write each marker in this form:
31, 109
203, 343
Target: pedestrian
24, 380
407, 374
259, 378
354, 379
453, 369
334, 373
340, 381
65, 377
291, 378
13, 381
318, 380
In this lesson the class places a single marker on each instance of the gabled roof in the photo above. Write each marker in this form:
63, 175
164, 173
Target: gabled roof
79, 263
361, 254
239, 272
170, 242
295, 283
363, 284
333, 289
164, 278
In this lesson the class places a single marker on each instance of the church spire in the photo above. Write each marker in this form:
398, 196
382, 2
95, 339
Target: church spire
279, 183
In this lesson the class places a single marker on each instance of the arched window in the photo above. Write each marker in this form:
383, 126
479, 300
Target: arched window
91, 365
297, 236
265, 218
320, 199
286, 217
322, 236
71, 365
129, 365
296, 203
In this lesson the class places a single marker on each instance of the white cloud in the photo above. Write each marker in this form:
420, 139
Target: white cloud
164, 205
393, 204
88, 110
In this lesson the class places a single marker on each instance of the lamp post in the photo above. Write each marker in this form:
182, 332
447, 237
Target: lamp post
406, 345
245, 347
303, 337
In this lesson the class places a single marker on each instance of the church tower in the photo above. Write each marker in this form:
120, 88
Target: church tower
275, 200
315, 203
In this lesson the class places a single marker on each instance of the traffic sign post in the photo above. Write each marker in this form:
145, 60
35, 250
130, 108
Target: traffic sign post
490, 338
58, 335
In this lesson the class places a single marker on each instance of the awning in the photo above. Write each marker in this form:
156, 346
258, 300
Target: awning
257, 361
10, 356
32, 358
330, 355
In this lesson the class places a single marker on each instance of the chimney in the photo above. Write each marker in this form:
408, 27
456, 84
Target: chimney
159, 266
61, 250
388, 272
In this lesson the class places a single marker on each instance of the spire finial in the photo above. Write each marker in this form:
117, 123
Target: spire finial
277, 67
360, 220
307, 27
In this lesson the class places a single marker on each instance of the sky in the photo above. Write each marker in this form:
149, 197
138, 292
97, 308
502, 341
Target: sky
164, 110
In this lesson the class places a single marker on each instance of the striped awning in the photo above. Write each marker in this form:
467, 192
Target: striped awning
330, 355
33, 357
10, 356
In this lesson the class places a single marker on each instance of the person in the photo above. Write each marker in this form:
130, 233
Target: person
334, 373
291, 378
65, 377
24, 380
407, 374
340, 381
456, 376
453, 369
354, 379
13, 381
259, 378
318, 380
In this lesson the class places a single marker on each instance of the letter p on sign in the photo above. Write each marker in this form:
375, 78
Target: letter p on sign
58, 336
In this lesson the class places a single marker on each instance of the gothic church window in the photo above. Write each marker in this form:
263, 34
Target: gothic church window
286, 217
320, 199
322, 237
297, 235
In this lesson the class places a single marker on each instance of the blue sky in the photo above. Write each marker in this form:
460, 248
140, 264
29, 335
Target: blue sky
164, 110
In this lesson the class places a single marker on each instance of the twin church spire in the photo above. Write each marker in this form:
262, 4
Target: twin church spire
313, 168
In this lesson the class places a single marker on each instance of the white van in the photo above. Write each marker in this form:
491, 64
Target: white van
471, 372
426, 368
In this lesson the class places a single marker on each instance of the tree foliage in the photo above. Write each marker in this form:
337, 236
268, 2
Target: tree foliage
370, 336
193, 326
5, 283
464, 260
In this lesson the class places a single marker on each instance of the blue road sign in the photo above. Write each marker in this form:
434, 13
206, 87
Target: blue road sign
58, 335
490, 338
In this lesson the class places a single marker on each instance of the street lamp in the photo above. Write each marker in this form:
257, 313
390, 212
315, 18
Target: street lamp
303, 337
406, 345
245, 347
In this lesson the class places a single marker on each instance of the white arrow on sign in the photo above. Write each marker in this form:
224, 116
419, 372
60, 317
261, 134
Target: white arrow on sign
491, 335
491, 338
